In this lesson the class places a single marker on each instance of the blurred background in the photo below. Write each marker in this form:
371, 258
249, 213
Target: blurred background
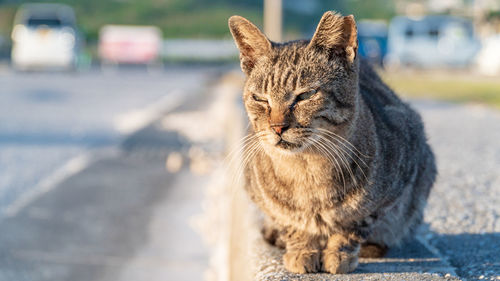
452, 35
115, 117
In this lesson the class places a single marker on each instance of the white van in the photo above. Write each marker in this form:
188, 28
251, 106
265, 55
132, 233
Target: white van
44, 37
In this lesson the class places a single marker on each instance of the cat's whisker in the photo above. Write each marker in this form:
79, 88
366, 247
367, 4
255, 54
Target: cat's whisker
325, 134
236, 179
346, 143
241, 144
238, 150
325, 152
356, 162
332, 159
331, 147
344, 152
344, 139
343, 146
344, 155
314, 143
247, 152
239, 153
339, 152
255, 150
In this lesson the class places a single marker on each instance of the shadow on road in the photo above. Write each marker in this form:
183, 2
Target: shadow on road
411, 256
472, 254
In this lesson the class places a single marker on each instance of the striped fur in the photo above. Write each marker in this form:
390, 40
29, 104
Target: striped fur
351, 165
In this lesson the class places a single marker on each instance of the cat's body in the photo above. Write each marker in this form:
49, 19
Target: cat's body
299, 190
335, 167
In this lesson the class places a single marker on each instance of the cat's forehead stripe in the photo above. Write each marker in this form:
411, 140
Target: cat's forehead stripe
265, 84
273, 83
306, 88
265, 87
294, 81
285, 76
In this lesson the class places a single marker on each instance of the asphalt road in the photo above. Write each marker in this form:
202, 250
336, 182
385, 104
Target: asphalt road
48, 119
121, 218
120, 215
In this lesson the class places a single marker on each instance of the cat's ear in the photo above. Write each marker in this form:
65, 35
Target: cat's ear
336, 34
250, 41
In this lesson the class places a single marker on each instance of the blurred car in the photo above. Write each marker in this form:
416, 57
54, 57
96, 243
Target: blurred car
124, 44
372, 37
3, 48
44, 36
431, 41
488, 59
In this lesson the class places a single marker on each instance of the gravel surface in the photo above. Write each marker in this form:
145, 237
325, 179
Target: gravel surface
463, 214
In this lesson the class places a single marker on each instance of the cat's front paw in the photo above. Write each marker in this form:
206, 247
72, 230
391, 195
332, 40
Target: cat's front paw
303, 261
339, 262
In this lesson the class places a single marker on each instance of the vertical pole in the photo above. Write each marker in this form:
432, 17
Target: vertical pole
478, 18
273, 19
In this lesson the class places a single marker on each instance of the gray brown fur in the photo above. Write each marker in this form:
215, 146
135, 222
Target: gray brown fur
344, 165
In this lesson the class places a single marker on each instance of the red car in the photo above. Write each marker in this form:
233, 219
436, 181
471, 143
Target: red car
122, 44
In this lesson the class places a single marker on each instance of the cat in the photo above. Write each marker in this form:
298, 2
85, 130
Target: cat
337, 162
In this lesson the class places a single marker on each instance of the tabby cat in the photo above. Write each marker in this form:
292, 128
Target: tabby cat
338, 163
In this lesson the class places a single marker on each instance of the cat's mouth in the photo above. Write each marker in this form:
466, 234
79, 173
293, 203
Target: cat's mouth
287, 145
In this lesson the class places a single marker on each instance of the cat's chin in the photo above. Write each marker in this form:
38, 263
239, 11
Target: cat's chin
283, 144
285, 147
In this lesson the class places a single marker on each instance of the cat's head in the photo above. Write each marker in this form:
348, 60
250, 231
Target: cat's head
296, 89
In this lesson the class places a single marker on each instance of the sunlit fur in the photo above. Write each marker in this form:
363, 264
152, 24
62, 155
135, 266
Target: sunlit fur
353, 168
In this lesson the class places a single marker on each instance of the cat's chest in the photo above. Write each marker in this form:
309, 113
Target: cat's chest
302, 197
299, 185
301, 194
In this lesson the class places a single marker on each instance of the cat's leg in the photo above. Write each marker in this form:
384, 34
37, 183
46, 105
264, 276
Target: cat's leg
273, 233
341, 253
372, 250
303, 253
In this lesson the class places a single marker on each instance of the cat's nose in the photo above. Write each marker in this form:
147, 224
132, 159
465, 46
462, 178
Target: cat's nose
279, 128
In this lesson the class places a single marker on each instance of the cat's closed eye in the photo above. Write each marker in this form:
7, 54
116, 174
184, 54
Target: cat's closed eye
306, 95
258, 98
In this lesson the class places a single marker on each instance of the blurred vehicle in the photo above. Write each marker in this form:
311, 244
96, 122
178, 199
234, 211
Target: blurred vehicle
3, 48
199, 49
431, 41
372, 37
488, 59
123, 44
44, 36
